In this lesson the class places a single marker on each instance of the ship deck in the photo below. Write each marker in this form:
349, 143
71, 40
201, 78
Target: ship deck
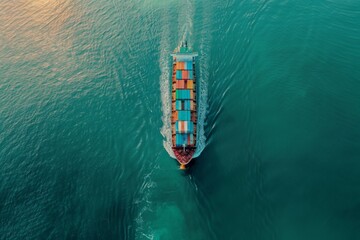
183, 154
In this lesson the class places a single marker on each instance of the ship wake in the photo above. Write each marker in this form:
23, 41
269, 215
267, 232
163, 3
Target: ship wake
185, 32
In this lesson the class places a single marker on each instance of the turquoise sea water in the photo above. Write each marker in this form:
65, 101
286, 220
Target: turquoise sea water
84, 116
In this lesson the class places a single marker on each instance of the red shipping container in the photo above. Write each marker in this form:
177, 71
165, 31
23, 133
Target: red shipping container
180, 84
185, 74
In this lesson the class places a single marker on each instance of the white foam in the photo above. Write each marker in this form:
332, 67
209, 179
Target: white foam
203, 77
165, 89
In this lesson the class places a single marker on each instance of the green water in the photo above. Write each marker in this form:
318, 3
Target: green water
84, 110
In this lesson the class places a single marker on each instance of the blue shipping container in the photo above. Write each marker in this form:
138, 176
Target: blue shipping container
184, 115
191, 126
189, 65
177, 126
187, 94
178, 105
181, 139
183, 94
187, 105
178, 74
191, 75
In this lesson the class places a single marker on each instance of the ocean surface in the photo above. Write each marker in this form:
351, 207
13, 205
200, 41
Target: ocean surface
84, 120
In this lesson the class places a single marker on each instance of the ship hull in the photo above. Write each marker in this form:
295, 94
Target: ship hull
184, 105
184, 156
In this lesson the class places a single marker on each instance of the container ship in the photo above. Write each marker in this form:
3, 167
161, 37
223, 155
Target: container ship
183, 107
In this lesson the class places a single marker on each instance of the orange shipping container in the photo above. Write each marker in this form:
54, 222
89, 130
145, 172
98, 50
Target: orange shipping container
181, 127
189, 84
185, 74
179, 65
175, 116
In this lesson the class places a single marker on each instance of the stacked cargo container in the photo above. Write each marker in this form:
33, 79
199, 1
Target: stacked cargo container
184, 115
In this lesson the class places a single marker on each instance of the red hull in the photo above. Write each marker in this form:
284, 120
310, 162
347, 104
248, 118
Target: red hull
183, 156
